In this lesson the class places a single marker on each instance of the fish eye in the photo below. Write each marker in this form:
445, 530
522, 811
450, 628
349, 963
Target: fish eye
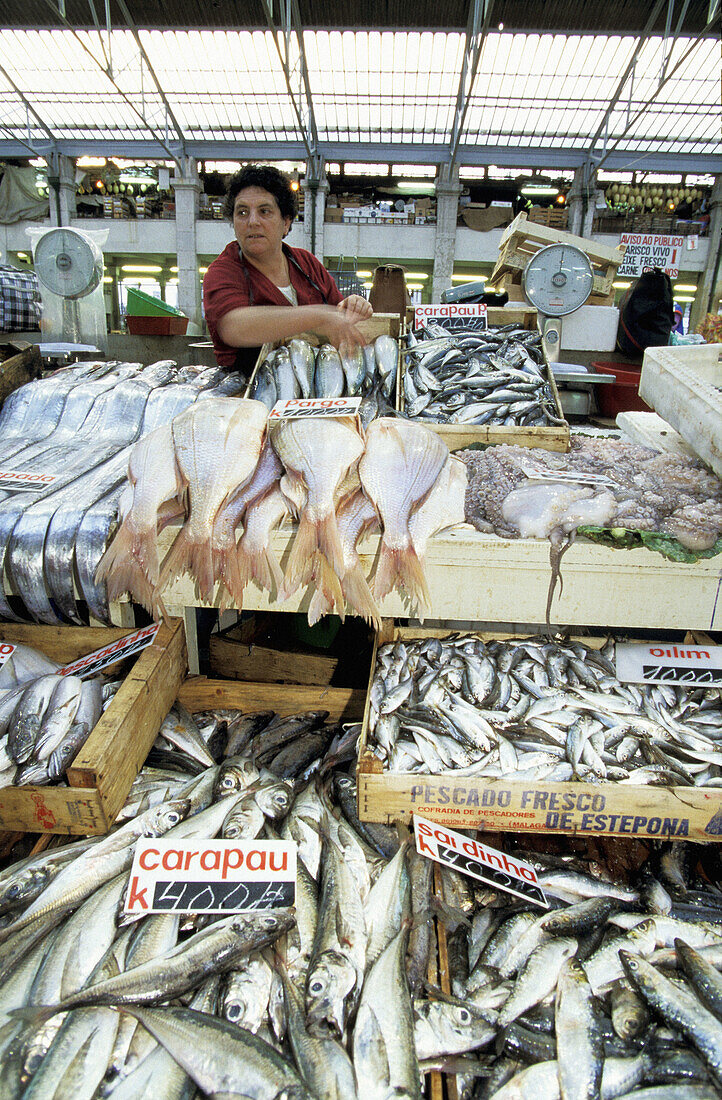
316, 987
465, 1016
270, 922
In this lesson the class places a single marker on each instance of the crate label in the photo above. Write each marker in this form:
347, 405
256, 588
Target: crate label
478, 860
620, 810
644, 251
298, 407
25, 480
109, 654
662, 663
211, 876
453, 315
6, 651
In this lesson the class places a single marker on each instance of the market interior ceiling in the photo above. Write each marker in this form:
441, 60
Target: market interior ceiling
542, 85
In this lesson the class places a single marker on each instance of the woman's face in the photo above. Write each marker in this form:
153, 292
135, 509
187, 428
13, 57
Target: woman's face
258, 223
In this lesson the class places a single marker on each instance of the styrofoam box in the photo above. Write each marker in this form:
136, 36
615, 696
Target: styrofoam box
590, 328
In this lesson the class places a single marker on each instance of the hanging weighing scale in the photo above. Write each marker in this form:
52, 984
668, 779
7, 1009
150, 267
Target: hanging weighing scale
71, 267
557, 280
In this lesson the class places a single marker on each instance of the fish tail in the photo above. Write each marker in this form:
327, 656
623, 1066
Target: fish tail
260, 566
358, 595
328, 594
128, 575
130, 544
225, 570
300, 560
189, 554
400, 567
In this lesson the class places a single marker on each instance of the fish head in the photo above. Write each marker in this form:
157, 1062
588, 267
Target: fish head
25, 882
275, 800
330, 982
234, 777
167, 815
270, 924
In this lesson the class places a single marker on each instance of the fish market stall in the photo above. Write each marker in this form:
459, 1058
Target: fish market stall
611, 982
101, 764
525, 733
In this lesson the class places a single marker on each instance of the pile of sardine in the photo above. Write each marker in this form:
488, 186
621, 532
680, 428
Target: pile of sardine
78, 426
617, 991
298, 369
45, 718
219, 469
512, 491
491, 377
538, 710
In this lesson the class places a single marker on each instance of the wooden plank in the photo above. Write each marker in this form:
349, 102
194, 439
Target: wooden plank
343, 704
53, 809
117, 747
19, 369
62, 643
652, 431
242, 658
483, 578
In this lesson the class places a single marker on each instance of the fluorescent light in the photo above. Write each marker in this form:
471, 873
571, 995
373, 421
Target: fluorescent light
621, 286
143, 268
677, 286
367, 285
107, 278
21, 255
172, 268
536, 189
413, 171
416, 275
201, 269
365, 274
131, 280
353, 168
414, 286
171, 282
91, 162
469, 278
681, 298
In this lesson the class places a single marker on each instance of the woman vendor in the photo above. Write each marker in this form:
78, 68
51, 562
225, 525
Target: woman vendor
260, 289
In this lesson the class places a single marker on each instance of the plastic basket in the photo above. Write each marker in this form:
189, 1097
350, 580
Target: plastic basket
619, 396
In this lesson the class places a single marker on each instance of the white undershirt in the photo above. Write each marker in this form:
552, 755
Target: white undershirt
290, 293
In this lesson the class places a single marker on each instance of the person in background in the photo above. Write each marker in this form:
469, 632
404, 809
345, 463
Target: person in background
678, 325
260, 289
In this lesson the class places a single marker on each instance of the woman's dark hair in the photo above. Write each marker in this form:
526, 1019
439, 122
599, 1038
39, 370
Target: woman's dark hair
269, 179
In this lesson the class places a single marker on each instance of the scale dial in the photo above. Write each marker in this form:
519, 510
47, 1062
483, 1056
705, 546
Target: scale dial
558, 279
67, 263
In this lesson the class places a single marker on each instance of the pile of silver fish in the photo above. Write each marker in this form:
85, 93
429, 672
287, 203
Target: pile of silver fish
538, 710
531, 493
298, 369
616, 991
78, 427
492, 377
45, 717
218, 468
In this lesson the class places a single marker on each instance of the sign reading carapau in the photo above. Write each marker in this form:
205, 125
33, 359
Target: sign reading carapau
211, 876
452, 315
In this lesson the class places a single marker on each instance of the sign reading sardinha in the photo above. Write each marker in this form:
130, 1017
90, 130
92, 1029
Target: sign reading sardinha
647, 250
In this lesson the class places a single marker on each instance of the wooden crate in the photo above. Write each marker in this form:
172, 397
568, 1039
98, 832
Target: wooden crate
381, 324
555, 437
18, 364
263, 648
484, 578
343, 704
684, 385
523, 239
102, 773
554, 216
574, 808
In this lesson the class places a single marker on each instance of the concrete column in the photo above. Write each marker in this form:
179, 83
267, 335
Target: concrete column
710, 283
61, 177
314, 201
448, 190
581, 201
187, 188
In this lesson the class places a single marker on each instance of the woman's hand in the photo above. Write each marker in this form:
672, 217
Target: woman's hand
339, 326
357, 305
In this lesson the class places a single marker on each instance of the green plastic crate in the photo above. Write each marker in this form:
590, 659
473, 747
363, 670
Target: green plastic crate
141, 304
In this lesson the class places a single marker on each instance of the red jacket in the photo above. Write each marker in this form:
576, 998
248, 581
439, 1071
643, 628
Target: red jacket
233, 283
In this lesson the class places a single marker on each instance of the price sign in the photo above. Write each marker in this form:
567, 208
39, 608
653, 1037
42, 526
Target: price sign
662, 663
6, 652
453, 316
471, 857
19, 480
109, 654
299, 407
211, 876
